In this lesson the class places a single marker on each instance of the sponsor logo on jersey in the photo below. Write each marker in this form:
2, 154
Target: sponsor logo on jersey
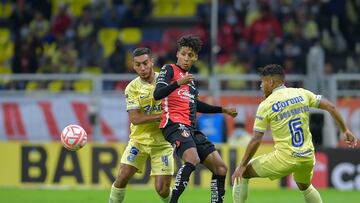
185, 94
162, 72
149, 108
165, 160
280, 105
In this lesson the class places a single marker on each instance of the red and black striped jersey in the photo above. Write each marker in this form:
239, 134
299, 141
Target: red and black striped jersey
180, 103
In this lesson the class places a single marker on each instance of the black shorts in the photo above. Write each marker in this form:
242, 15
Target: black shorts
182, 138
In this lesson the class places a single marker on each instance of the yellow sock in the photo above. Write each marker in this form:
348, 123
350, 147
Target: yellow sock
311, 195
116, 195
240, 191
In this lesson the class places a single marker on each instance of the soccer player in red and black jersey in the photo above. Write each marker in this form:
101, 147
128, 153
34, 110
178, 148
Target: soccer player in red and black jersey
178, 122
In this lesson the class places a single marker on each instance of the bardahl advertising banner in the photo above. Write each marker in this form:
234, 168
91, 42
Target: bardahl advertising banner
49, 164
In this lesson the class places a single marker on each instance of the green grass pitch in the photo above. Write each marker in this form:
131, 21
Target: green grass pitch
147, 195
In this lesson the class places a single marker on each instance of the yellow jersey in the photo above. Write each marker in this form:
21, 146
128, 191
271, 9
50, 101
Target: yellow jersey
286, 111
139, 95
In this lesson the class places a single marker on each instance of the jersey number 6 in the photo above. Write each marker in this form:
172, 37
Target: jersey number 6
297, 133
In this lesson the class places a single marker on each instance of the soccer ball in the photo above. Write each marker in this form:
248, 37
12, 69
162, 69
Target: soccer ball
73, 137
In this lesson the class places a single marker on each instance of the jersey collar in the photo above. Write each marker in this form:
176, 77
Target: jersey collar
153, 82
279, 88
180, 68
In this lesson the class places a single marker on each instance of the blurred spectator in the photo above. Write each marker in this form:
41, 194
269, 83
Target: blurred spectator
267, 24
89, 49
136, 13
111, 17
201, 30
43, 6
260, 31
213, 125
296, 46
84, 26
91, 52
230, 32
308, 25
234, 66
269, 52
62, 21
239, 136
39, 25
117, 60
21, 16
338, 9
27, 51
64, 60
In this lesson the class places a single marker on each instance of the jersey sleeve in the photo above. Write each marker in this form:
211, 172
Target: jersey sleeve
261, 121
314, 100
203, 107
164, 86
132, 101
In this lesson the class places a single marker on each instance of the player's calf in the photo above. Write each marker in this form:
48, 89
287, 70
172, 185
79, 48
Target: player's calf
217, 188
181, 181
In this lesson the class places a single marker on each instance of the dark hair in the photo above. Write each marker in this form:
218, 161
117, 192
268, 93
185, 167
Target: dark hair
190, 41
272, 69
141, 51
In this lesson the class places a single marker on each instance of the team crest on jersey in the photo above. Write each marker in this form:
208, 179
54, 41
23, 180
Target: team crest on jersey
133, 152
185, 133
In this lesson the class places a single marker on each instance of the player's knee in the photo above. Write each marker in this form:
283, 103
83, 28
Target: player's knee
303, 186
221, 170
196, 161
191, 156
193, 160
163, 190
119, 183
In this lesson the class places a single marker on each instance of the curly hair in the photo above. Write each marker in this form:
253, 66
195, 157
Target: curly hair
190, 41
271, 70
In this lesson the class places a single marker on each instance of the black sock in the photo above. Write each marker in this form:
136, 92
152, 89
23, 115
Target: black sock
181, 181
217, 188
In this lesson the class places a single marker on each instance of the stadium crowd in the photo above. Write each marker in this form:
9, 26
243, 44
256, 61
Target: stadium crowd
52, 36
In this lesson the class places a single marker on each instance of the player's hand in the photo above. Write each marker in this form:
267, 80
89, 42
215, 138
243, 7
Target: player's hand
185, 80
350, 139
230, 111
237, 175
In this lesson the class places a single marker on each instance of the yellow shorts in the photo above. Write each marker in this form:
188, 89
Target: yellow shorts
276, 164
161, 157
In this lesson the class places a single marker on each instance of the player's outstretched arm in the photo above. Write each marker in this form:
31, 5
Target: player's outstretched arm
349, 137
249, 153
137, 117
203, 107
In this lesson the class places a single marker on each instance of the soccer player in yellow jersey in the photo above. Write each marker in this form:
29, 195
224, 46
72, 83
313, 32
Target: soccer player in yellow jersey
146, 139
286, 111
